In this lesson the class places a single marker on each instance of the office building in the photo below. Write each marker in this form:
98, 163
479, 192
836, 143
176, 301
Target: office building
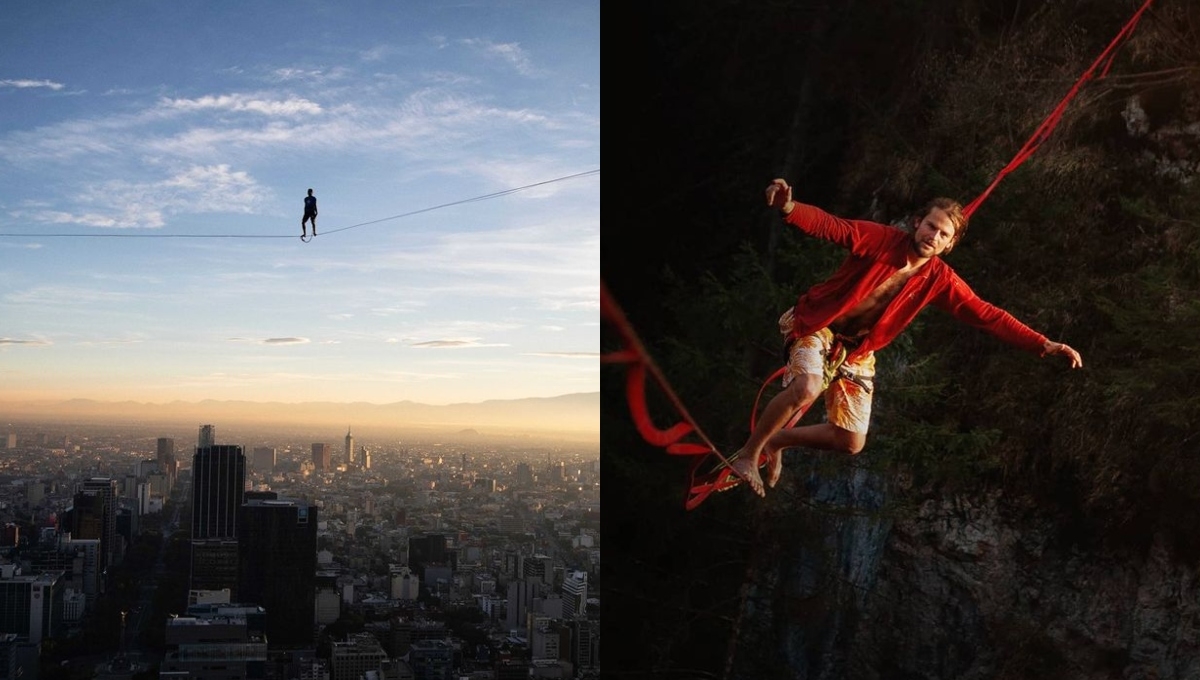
277, 567
520, 599
352, 658
524, 477
405, 584
166, 461
328, 600
10, 667
93, 515
321, 457
427, 550
208, 436
218, 488
31, 606
216, 642
265, 459
538, 568
433, 659
214, 570
585, 643
350, 462
574, 594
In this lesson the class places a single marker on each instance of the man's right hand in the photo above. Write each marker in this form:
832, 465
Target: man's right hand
779, 195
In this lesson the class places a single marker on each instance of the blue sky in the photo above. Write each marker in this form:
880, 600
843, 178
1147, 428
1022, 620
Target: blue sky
186, 119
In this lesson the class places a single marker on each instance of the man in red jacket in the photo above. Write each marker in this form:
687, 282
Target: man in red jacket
836, 326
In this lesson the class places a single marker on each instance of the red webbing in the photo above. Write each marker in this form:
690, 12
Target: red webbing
640, 364
1103, 62
702, 484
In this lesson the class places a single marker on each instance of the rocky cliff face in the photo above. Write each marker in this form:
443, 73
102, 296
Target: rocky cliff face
954, 587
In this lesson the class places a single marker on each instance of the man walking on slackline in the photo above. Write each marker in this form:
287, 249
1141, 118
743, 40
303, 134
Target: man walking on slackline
837, 325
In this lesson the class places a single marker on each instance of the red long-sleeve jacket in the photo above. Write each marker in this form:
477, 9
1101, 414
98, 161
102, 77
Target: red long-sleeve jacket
876, 252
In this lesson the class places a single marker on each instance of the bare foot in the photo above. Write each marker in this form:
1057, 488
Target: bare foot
774, 459
749, 471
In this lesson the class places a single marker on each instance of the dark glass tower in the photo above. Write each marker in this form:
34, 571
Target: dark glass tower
166, 459
106, 489
218, 488
277, 558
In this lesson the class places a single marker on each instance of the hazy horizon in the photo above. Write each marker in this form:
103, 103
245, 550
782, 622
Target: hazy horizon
574, 416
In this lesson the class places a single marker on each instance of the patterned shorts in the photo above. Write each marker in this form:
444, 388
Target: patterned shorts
847, 402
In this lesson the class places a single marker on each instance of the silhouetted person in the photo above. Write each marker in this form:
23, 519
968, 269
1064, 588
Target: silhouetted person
310, 213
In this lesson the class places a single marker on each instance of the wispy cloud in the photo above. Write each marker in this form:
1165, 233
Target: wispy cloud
377, 53
565, 355
111, 342
42, 296
273, 341
31, 343
23, 84
510, 53
311, 75
122, 204
454, 344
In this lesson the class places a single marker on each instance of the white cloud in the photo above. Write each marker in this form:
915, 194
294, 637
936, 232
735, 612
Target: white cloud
290, 107
24, 84
565, 355
147, 205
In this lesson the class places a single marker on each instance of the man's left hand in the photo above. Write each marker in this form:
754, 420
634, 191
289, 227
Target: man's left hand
1059, 348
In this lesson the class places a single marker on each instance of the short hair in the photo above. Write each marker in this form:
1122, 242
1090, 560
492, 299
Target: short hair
953, 210
310, 191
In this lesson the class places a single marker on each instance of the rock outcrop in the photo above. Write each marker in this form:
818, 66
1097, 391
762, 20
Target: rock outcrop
854, 586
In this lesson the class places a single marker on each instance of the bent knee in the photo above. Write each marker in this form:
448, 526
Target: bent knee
851, 442
804, 390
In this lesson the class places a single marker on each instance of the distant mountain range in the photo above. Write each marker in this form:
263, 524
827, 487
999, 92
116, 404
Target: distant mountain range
568, 414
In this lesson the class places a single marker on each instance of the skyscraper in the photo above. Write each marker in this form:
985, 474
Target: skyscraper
322, 459
218, 487
265, 459
166, 460
349, 448
574, 594
427, 550
277, 567
105, 507
208, 436
31, 606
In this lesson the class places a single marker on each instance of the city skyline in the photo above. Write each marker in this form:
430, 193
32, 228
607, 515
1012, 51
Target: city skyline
431, 281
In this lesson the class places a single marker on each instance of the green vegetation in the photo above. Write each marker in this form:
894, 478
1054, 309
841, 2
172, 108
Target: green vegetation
869, 110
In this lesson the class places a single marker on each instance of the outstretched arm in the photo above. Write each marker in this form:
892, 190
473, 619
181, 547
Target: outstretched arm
1059, 348
861, 237
962, 302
